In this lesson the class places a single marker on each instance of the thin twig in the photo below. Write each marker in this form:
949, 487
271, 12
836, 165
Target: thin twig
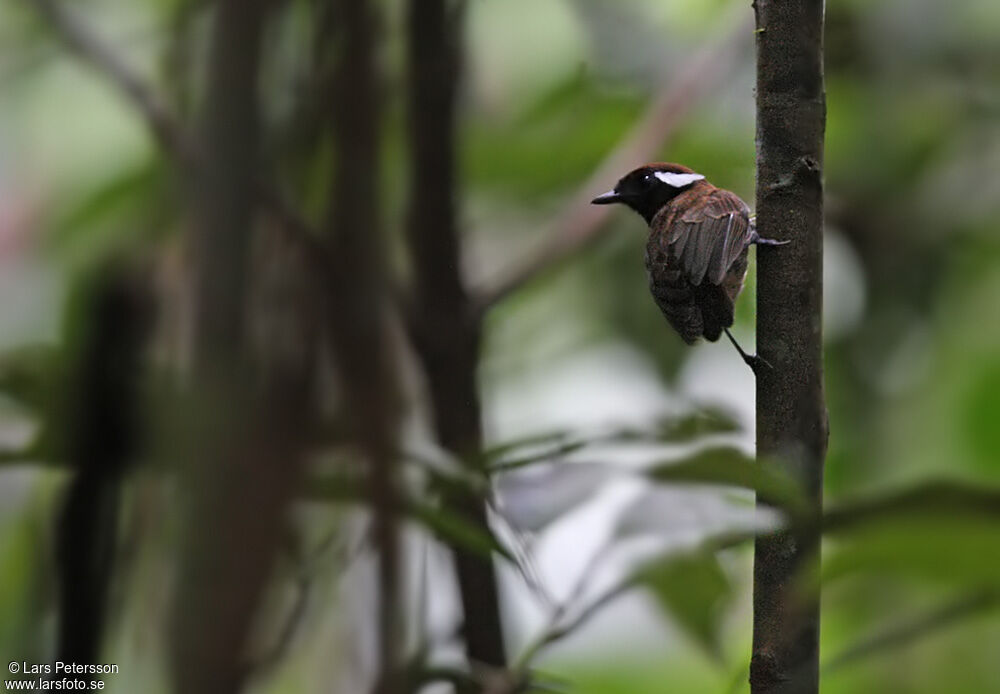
306, 570
557, 628
286, 632
525, 562
581, 223
80, 39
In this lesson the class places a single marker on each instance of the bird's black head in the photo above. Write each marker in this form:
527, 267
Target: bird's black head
650, 187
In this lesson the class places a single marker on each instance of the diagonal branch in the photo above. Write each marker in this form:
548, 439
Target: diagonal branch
81, 40
916, 627
169, 132
581, 223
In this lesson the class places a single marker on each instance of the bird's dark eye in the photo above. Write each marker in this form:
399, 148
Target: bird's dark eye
648, 179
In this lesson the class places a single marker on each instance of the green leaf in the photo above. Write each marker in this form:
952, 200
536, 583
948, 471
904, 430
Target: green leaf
39, 450
958, 550
693, 590
27, 376
940, 531
668, 577
705, 421
938, 498
544, 447
129, 206
419, 676
556, 448
916, 627
338, 487
447, 525
456, 531
549, 438
726, 465
528, 156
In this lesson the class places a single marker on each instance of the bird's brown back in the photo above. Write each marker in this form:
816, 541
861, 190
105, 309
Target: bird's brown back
696, 258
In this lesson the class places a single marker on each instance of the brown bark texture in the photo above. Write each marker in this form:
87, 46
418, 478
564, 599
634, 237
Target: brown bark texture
443, 323
791, 413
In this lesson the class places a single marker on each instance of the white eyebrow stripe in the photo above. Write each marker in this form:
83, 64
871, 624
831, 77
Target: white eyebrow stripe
677, 180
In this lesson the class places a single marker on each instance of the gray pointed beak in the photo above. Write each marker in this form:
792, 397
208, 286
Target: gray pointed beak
608, 198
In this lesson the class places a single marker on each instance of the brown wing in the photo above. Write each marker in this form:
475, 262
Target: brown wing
706, 241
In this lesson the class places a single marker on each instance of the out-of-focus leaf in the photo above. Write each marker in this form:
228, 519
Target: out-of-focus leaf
451, 480
27, 376
690, 586
704, 421
421, 675
917, 627
556, 449
544, 447
528, 156
456, 531
960, 550
128, 206
447, 525
693, 590
40, 450
498, 451
533, 500
981, 411
336, 486
729, 466
686, 515
946, 500
940, 531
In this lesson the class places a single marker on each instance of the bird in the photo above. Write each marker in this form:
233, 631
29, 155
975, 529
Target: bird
696, 253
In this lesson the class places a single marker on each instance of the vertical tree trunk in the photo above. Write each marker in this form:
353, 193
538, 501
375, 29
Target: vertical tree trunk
791, 414
442, 321
358, 298
250, 422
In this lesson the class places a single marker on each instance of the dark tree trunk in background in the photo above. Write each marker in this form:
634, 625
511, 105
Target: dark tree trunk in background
443, 323
249, 416
103, 433
358, 296
791, 414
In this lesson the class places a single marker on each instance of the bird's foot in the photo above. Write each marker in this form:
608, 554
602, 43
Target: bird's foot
760, 241
756, 238
755, 362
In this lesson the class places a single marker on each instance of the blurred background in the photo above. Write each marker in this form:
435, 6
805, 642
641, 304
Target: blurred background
542, 370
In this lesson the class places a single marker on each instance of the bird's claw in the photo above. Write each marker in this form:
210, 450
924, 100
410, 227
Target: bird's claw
770, 242
755, 361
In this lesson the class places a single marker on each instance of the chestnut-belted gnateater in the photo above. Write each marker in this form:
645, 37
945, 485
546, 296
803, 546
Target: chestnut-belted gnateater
696, 255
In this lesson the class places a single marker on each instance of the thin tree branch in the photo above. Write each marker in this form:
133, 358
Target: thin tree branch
581, 223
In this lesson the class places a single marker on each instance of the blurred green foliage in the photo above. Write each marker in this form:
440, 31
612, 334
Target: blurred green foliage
913, 381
